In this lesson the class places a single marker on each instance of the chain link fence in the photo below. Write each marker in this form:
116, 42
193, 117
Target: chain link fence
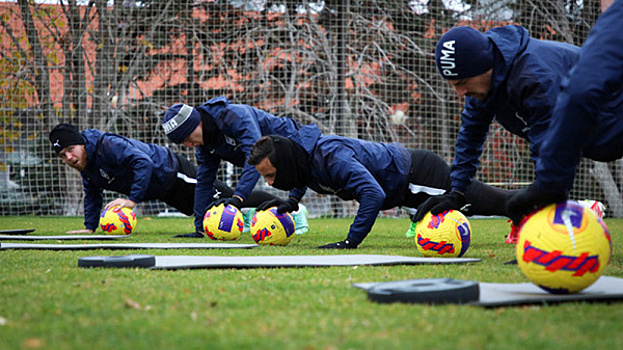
361, 69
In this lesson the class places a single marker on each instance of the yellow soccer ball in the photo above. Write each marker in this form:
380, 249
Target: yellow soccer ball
445, 235
223, 223
563, 248
118, 221
271, 228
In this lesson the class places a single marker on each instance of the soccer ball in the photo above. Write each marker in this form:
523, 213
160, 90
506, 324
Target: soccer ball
223, 223
118, 221
563, 248
271, 228
445, 235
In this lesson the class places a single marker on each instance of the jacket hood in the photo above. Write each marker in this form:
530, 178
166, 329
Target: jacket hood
509, 42
91, 138
307, 137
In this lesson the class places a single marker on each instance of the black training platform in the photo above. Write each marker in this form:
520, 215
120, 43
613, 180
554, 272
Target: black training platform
138, 260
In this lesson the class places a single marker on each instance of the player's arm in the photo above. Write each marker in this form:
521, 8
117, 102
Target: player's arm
298, 193
244, 128
370, 196
596, 77
350, 175
141, 166
119, 152
204, 192
474, 128
92, 207
539, 99
469, 145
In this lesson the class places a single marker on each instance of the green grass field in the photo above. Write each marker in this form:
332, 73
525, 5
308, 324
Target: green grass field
47, 302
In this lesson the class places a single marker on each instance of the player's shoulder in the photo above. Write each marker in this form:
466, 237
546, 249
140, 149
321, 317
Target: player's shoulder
114, 140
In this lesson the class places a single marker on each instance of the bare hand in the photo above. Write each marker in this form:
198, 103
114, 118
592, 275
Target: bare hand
126, 203
74, 232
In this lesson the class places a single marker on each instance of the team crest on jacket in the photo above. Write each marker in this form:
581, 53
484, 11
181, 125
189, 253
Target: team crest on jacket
106, 176
230, 141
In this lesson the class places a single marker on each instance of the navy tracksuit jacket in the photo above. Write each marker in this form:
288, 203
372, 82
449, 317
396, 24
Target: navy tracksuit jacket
142, 171
238, 127
374, 174
527, 74
588, 118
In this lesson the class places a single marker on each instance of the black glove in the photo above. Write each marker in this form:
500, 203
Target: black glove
527, 200
196, 234
234, 201
283, 205
437, 204
345, 244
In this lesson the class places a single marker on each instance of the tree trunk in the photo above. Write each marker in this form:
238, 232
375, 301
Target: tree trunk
39, 65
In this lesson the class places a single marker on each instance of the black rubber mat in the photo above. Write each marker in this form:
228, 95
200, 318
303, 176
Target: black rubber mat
44, 246
605, 289
213, 262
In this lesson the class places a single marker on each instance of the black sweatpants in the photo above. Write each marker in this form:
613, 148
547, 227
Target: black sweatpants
182, 194
430, 175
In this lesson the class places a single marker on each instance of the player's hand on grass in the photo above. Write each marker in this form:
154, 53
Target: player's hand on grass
527, 200
345, 244
78, 232
283, 205
196, 234
440, 203
233, 201
125, 203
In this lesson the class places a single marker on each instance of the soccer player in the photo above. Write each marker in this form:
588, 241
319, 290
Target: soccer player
221, 130
379, 176
589, 103
508, 76
142, 171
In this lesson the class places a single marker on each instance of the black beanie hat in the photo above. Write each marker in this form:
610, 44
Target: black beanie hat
65, 135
